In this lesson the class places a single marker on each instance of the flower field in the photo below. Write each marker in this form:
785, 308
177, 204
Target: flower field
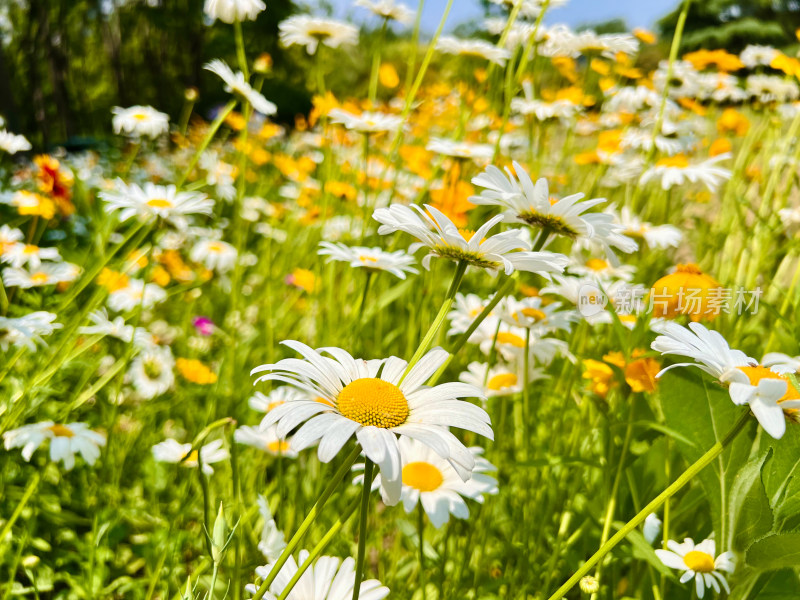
513, 315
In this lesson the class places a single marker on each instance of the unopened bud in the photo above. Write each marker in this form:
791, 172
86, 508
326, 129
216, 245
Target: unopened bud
589, 585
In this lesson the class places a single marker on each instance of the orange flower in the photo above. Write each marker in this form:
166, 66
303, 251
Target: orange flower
113, 280
453, 198
732, 121
55, 183
644, 35
687, 291
195, 371
722, 60
303, 279
790, 66
719, 146
388, 77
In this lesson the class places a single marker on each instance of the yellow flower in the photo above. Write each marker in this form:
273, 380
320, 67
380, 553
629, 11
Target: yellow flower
388, 77
303, 279
195, 371
600, 376
790, 66
640, 374
600, 66
732, 121
30, 203
112, 280
719, 146
643, 35
687, 291
722, 60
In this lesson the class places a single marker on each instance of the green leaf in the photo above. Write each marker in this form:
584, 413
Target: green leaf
702, 411
644, 551
781, 476
776, 551
750, 512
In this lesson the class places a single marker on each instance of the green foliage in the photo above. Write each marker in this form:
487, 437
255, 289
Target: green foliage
733, 24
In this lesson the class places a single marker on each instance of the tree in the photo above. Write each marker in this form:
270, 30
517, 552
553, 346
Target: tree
733, 24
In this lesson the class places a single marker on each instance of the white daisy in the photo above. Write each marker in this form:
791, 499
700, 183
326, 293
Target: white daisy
155, 201
19, 254
136, 294
655, 236
474, 48
466, 309
65, 441
9, 236
532, 313
45, 274
266, 402
366, 122
388, 9
326, 579
309, 32
27, 330
651, 528
506, 250
172, 451
151, 372
368, 399
397, 263
230, 11
766, 391
677, 171
235, 82
214, 254
542, 110
498, 380
528, 203
781, 363
13, 143
697, 562
272, 541
429, 479
265, 439
460, 149
139, 121
757, 56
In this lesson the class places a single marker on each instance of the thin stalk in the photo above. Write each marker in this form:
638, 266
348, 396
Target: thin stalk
654, 505
337, 478
440, 317
212, 131
421, 533
318, 549
362, 530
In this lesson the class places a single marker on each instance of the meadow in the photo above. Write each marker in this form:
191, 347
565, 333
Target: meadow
515, 318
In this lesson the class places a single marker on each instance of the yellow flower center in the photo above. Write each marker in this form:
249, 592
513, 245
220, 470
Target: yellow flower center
699, 562
503, 380
191, 459
678, 161
512, 339
597, 264
373, 402
61, 431
278, 446
422, 476
534, 313
39, 278
30, 249
159, 203
756, 374
365, 259
140, 116
216, 247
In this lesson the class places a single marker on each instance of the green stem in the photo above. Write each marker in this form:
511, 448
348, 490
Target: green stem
440, 317
673, 55
317, 550
676, 486
337, 478
34, 483
212, 130
362, 530
376, 65
421, 532
240, 53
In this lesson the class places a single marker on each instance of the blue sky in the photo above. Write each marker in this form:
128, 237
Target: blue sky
637, 13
